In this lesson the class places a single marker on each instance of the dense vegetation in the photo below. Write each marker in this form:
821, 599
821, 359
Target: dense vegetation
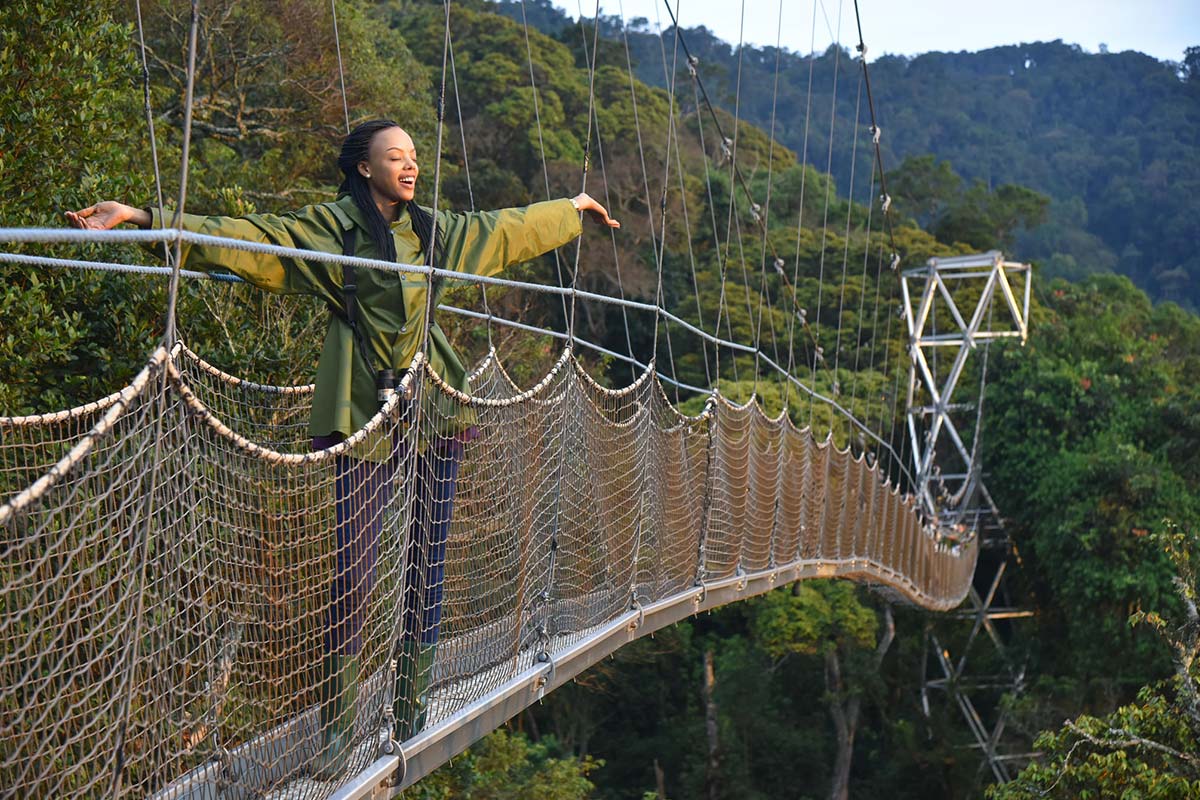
1110, 137
1094, 427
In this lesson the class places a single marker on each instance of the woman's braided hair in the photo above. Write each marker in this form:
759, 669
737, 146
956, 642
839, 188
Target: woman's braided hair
354, 150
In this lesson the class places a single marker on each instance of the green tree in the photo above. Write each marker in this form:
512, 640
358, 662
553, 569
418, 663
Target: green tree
507, 766
827, 619
1148, 748
69, 132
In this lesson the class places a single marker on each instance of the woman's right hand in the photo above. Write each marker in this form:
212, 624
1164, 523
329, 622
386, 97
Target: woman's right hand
107, 215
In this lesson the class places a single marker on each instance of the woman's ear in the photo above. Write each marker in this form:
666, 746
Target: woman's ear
363, 169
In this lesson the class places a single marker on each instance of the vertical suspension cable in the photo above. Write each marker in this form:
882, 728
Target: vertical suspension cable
437, 183
537, 116
819, 355
645, 176
173, 291
143, 545
587, 151
158, 190
687, 229
862, 294
462, 132
764, 291
337, 43
673, 135
659, 297
765, 221
796, 310
730, 147
837, 349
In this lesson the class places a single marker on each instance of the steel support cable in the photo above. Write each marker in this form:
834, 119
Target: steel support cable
862, 295
537, 117
729, 150
587, 146
143, 545
659, 296
719, 250
679, 172
796, 310
741, 259
887, 347
158, 190
837, 349
819, 356
462, 131
687, 232
337, 44
437, 185
608, 198
764, 291
670, 80
876, 134
722, 260
637, 126
741, 180
173, 289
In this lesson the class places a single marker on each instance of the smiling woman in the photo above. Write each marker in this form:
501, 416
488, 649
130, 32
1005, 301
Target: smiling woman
375, 331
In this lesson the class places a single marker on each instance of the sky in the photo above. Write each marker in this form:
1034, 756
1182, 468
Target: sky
1160, 28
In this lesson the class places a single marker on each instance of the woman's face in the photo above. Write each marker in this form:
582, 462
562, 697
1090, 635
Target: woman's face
391, 166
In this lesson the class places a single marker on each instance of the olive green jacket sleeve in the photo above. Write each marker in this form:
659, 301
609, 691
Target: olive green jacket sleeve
309, 228
486, 242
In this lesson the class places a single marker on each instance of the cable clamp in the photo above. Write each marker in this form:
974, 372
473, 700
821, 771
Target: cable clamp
392, 748
876, 132
756, 212
545, 678
887, 202
895, 265
779, 265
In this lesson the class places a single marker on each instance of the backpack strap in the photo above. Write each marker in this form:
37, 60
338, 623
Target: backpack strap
350, 297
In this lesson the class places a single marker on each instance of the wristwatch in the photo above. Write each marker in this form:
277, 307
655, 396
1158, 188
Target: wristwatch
575, 203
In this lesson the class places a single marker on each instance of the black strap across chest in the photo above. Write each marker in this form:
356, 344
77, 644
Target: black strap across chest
349, 311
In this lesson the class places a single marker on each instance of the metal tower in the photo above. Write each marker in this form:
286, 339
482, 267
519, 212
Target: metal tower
945, 436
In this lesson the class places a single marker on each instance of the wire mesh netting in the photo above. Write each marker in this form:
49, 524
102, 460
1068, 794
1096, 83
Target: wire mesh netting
192, 596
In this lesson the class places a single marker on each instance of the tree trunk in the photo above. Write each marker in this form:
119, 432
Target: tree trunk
845, 724
845, 710
712, 772
660, 781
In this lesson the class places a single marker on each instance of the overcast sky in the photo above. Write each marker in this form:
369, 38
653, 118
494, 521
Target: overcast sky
1161, 28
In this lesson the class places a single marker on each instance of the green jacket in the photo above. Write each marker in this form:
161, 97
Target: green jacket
391, 305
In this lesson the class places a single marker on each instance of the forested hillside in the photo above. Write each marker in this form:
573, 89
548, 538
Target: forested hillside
1084, 163
1112, 138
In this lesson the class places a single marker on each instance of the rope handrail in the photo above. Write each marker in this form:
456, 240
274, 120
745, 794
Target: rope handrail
45, 235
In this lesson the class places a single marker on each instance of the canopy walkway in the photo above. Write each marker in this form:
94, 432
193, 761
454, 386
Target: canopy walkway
167, 549
166, 570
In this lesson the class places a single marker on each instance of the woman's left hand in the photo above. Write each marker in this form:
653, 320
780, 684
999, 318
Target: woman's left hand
585, 202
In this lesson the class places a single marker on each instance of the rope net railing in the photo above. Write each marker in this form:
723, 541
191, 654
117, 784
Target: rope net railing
176, 561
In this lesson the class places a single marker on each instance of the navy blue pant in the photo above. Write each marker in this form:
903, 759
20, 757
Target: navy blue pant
363, 490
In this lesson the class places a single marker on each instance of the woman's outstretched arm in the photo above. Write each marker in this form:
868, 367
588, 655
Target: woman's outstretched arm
585, 202
486, 242
108, 215
310, 228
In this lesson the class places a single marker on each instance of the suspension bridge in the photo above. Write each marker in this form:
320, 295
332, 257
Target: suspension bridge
168, 548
